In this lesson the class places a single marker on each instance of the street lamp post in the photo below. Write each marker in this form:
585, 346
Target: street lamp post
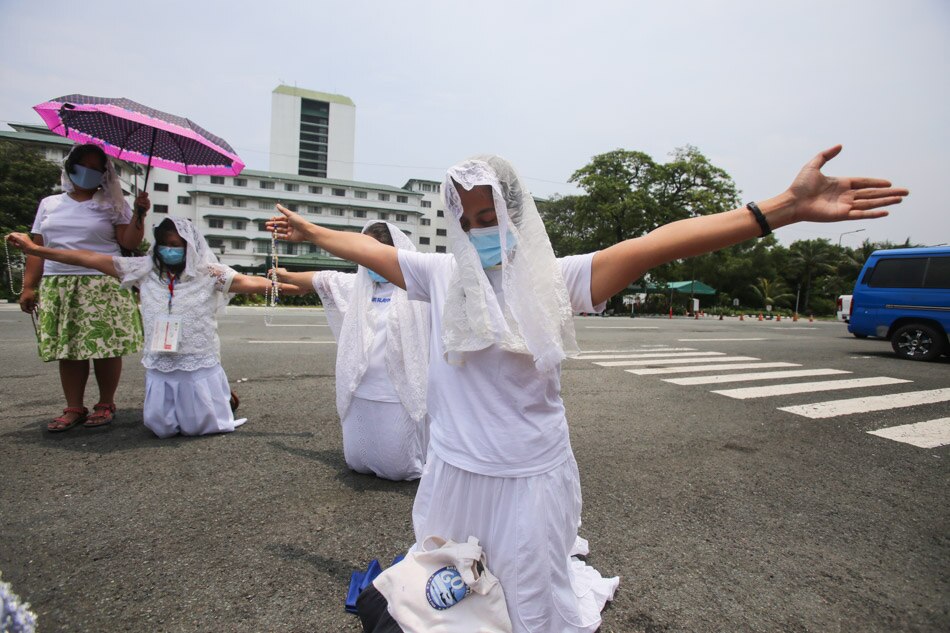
846, 233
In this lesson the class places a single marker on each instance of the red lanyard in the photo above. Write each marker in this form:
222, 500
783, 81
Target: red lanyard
171, 291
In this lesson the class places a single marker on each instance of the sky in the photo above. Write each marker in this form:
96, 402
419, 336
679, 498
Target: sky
758, 87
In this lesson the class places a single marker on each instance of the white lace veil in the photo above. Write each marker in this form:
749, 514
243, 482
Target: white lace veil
199, 259
109, 193
537, 318
407, 336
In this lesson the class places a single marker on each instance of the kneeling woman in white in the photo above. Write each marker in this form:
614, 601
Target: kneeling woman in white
382, 363
182, 287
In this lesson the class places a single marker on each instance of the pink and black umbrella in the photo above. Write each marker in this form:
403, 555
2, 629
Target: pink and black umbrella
133, 132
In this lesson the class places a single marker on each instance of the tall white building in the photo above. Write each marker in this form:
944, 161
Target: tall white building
433, 236
312, 133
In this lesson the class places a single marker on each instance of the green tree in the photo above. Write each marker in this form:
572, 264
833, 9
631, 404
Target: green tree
770, 292
26, 177
811, 260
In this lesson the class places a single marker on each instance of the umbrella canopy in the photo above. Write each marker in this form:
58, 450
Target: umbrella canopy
133, 132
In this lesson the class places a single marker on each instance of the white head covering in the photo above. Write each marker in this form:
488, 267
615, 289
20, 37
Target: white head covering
199, 260
537, 318
109, 193
353, 319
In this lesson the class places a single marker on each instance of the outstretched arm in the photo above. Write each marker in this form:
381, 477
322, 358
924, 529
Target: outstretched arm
812, 197
355, 247
249, 285
86, 259
301, 282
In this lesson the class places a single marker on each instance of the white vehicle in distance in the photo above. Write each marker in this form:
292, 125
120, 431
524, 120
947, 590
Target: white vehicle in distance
844, 308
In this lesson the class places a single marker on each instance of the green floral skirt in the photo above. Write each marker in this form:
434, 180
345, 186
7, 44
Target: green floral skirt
87, 316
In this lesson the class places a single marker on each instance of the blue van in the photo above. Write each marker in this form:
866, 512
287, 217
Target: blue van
903, 294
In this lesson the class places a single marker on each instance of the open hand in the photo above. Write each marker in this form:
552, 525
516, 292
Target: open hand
820, 198
289, 226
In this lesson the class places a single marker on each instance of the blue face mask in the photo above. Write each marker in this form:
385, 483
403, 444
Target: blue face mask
377, 278
85, 178
487, 242
171, 255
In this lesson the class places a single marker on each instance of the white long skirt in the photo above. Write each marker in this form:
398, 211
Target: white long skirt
527, 527
380, 438
188, 402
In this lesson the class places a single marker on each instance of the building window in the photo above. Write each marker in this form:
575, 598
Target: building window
160, 208
316, 190
240, 182
159, 186
425, 221
262, 226
402, 217
402, 199
383, 216
338, 192
184, 200
359, 213
312, 208
265, 204
216, 242
239, 225
217, 202
239, 245
423, 240
426, 186
292, 206
337, 212
440, 213
359, 194
291, 187
439, 249
239, 203
426, 204
384, 197
215, 223
314, 250
437, 188
290, 249
185, 179
266, 184
217, 180
440, 232
260, 246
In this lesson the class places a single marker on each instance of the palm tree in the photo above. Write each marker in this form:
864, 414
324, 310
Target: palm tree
811, 259
770, 291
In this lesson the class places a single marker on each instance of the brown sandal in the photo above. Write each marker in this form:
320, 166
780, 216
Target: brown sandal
60, 424
235, 402
103, 414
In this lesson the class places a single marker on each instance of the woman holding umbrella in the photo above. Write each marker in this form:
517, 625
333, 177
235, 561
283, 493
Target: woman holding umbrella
83, 314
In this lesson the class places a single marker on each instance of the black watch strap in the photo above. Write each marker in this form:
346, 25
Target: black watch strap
760, 218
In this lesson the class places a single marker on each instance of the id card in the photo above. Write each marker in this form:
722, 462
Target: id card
165, 334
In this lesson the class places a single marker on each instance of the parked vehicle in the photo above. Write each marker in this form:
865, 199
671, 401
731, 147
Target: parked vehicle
844, 308
903, 295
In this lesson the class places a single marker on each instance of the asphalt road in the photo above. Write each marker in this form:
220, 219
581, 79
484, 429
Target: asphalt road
719, 513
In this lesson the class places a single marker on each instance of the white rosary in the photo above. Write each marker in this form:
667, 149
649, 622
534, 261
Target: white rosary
10, 267
272, 294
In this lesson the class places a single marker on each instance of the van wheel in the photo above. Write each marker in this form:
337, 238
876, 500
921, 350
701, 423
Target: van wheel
917, 342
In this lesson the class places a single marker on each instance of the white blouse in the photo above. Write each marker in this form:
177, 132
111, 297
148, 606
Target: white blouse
193, 302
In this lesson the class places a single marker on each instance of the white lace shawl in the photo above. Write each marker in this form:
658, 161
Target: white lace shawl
109, 193
537, 318
347, 299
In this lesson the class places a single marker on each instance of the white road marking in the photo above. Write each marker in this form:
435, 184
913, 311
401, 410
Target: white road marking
639, 348
834, 408
690, 340
760, 375
929, 434
674, 361
676, 352
713, 367
293, 342
297, 325
807, 387
620, 327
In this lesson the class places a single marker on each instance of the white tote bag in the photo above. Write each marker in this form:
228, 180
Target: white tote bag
445, 587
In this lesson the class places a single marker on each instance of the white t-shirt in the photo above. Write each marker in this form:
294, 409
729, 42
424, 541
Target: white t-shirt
193, 302
90, 226
496, 414
375, 384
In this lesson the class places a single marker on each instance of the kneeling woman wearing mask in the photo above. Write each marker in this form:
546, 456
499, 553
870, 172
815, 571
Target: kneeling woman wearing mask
182, 287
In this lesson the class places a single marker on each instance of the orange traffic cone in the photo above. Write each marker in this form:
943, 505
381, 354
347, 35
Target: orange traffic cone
795, 318
742, 317
696, 316
811, 318
778, 317
760, 317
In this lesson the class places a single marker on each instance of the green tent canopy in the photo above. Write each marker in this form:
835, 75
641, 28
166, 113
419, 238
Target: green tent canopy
692, 287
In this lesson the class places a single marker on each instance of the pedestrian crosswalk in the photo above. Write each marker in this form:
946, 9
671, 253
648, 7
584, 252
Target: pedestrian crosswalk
661, 361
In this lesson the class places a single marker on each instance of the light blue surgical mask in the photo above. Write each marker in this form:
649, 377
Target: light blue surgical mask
85, 178
487, 243
171, 255
376, 277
